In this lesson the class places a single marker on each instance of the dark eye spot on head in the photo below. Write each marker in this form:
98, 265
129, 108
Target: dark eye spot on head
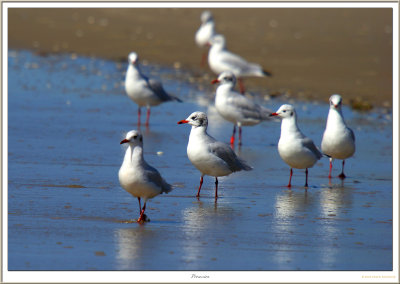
284, 110
193, 118
134, 136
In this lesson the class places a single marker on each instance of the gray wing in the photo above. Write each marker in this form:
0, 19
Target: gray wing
154, 176
232, 59
352, 134
309, 144
158, 89
249, 108
224, 152
240, 64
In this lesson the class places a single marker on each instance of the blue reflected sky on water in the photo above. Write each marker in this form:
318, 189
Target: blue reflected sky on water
66, 210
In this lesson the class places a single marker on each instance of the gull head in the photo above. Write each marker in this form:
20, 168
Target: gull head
133, 58
226, 77
133, 138
206, 16
285, 111
218, 40
335, 102
196, 119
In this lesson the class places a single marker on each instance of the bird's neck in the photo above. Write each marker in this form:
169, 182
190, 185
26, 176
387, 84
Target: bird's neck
134, 155
335, 119
217, 47
197, 132
224, 89
133, 71
289, 127
209, 24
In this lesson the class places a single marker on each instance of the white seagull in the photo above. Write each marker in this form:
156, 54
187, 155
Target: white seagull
295, 149
235, 107
338, 141
209, 156
220, 60
137, 177
142, 90
205, 32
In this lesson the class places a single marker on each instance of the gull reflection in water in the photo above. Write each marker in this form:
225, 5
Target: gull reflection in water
202, 231
335, 201
291, 209
132, 245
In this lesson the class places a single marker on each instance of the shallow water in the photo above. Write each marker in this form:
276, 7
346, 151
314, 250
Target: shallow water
67, 211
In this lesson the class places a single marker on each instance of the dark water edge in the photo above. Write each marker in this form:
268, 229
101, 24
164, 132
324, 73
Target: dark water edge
66, 210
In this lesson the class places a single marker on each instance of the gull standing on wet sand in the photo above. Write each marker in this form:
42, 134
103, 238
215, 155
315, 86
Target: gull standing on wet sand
137, 177
209, 156
235, 107
338, 141
142, 90
295, 149
220, 60
205, 33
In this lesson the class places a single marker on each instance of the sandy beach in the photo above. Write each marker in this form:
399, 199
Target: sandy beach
311, 52
68, 111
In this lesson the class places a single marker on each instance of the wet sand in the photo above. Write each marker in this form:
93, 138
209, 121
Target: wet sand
311, 52
68, 212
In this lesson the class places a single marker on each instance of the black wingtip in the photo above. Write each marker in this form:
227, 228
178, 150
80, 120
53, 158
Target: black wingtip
267, 73
176, 99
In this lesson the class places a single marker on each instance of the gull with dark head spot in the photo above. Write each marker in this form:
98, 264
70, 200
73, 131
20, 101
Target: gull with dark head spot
236, 108
338, 141
142, 90
295, 149
137, 177
209, 156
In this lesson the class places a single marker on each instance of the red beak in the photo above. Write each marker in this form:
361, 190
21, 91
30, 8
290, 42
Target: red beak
183, 121
215, 81
273, 114
124, 141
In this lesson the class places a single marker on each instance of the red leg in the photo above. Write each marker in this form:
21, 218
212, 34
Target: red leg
330, 168
233, 136
241, 86
201, 183
148, 116
142, 216
306, 185
342, 175
138, 112
216, 188
290, 178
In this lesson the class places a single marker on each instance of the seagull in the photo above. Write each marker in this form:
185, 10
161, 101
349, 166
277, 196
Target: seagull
209, 156
137, 177
142, 90
295, 149
220, 60
338, 141
205, 32
235, 107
